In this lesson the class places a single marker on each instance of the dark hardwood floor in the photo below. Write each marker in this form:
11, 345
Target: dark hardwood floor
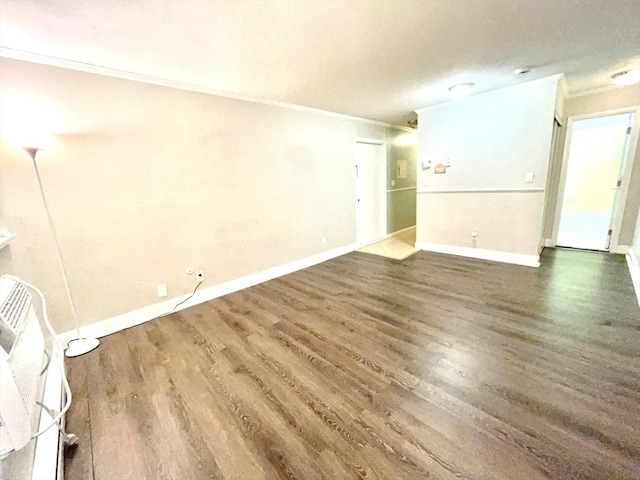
365, 367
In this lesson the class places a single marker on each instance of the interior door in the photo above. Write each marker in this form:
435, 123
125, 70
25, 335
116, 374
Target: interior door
370, 186
596, 159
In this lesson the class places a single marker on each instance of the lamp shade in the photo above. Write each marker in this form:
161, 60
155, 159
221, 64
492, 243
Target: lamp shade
27, 138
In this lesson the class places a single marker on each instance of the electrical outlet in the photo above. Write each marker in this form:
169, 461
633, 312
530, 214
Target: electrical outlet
200, 276
162, 290
474, 235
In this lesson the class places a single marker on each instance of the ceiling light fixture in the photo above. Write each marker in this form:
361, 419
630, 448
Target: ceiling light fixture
629, 77
461, 90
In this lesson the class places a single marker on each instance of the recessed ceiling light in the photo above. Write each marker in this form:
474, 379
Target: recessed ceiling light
461, 90
629, 77
522, 71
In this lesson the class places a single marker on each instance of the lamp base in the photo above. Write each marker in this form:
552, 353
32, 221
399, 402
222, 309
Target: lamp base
80, 346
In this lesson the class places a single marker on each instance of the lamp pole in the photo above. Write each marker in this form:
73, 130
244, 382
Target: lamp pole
80, 345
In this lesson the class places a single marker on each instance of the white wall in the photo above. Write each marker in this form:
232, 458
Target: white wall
145, 180
491, 140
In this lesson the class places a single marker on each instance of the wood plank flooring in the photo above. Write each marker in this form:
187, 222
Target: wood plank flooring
436, 367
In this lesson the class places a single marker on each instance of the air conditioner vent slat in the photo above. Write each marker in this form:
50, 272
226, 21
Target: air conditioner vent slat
15, 306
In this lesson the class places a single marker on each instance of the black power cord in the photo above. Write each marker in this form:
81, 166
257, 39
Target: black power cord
180, 303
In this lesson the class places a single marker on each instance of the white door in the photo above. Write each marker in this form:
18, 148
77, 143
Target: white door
370, 192
597, 150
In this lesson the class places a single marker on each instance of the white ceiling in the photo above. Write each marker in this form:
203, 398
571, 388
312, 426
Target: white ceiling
374, 59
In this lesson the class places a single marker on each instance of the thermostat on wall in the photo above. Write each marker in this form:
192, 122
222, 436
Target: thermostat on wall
440, 168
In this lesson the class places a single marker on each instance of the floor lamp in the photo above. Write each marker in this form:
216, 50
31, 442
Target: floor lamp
80, 345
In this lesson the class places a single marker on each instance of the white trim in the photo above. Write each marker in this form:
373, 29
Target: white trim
555, 229
593, 91
606, 113
617, 214
382, 183
397, 127
400, 232
564, 90
370, 141
401, 189
484, 190
621, 249
163, 82
554, 166
634, 271
620, 204
493, 255
150, 312
358, 246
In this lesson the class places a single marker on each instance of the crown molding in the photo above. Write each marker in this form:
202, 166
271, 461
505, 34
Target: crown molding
30, 57
593, 91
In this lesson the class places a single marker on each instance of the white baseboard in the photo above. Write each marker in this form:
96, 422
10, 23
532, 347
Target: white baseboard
634, 271
144, 314
494, 255
390, 235
400, 232
622, 249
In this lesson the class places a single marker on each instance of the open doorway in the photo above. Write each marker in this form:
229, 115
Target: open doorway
593, 175
371, 200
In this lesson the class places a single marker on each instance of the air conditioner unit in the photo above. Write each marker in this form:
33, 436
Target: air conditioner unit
32, 393
21, 363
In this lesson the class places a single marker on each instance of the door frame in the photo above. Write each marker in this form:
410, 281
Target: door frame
618, 209
558, 137
382, 183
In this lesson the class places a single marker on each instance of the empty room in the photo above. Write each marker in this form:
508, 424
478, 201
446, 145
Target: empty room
319, 239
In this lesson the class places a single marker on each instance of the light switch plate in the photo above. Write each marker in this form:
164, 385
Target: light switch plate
529, 177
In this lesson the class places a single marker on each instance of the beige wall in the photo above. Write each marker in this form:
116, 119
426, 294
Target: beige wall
144, 180
505, 222
602, 102
491, 140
